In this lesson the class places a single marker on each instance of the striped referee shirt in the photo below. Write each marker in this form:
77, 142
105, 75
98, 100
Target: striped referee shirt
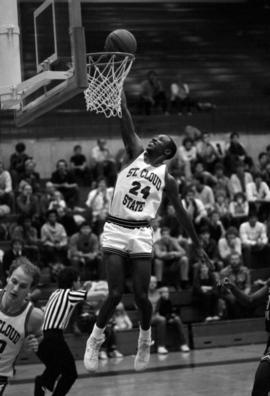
60, 307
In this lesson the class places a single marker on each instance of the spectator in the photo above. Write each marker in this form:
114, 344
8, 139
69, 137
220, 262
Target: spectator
79, 166
98, 201
53, 239
263, 160
155, 224
205, 292
240, 275
240, 179
187, 154
103, 163
165, 309
170, 259
26, 232
215, 226
222, 182
266, 174
170, 221
158, 321
222, 207
194, 207
27, 202
46, 199
64, 181
235, 153
30, 176
16, 250
153, 94
6, 195
57, 202
254, 240
258, 196
229, 244
207, 152
238, 209
199, 170
84, 253
204, 193
121, 319
17, 162
208, 244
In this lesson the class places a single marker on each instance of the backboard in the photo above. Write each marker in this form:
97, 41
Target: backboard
55, 41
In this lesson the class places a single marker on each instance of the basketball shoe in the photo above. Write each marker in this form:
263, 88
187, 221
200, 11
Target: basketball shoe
91, 354
143, 354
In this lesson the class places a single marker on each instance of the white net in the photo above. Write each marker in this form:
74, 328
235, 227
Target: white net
106, 73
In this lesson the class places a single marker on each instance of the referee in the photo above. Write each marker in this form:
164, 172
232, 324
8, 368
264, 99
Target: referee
53, 350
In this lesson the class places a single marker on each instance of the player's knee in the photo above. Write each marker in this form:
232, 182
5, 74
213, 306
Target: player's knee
115, 296
141, 298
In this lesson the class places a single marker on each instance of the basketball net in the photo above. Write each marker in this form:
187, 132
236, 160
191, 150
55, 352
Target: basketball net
106, 73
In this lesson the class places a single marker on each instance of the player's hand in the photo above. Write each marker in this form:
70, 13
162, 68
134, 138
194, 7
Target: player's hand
31, 343
203, 257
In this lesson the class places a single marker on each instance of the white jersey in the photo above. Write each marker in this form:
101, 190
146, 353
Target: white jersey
138, 191
12, 335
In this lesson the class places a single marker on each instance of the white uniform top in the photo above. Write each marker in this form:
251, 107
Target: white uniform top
12, 335
138, 191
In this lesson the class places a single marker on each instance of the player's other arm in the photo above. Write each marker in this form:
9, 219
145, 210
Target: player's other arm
183, 217
247, 299
131, 140
34, 330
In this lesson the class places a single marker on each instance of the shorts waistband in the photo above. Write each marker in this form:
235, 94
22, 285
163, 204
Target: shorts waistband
128, 223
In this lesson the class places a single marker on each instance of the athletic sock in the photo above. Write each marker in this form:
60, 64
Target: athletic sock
145, 334
97, 332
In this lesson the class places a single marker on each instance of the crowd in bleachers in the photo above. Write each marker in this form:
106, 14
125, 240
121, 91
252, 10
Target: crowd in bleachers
225, 191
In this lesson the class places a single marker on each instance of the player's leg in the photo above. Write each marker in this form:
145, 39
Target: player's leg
115, 278
3, 384
141, 280
261, 386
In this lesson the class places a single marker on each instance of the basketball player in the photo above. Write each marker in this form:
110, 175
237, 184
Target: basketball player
127, 233
20, 322
261, 386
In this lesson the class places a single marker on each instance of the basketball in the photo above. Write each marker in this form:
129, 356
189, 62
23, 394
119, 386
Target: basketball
121, 40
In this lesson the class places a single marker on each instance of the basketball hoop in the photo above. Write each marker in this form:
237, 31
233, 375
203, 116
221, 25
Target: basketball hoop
106, 73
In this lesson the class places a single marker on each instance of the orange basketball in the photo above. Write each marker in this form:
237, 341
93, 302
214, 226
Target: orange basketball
121, 40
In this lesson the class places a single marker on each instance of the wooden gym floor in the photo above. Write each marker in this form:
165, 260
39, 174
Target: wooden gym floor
205, 372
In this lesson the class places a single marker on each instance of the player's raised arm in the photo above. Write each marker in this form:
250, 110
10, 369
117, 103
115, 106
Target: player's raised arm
132, 141
183, 217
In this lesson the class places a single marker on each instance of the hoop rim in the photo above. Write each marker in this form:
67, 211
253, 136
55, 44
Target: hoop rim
98, 56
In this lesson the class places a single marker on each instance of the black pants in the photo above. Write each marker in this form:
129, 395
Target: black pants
3, 384
54, 352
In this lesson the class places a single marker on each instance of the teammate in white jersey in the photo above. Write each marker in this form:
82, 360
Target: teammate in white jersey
20, 322
127, 232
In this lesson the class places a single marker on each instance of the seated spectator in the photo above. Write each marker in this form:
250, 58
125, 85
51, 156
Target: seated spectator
181, 100
6, 194
199, 170
54, 240
17, 163
164, 308
27, 202
121, 320
207, 152
171, 260
79, 166
222, 207
229, 244
208, 244
85, 255
98, 201
215, 226
152, 94
26, 232
187, 154
103, 164
222, 183
30, 176
155, 224
254, 240
64, 181
240, 179
67, 219
238, 209
258, 196
204, 193
57, 202
205, 292
170, 221
194, 207
263, 160
237, 273
266, 174
46, 199
16, 250
235, 153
